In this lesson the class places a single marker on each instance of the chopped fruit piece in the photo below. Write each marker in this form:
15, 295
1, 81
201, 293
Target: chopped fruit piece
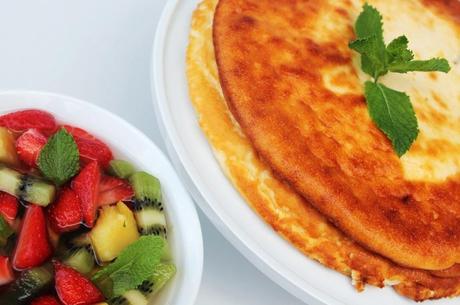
121, 169
78, 254
148, 206
8, 153
29, 145
73, 288
6, 273
65, 213
115, 229
45, 300
91, 148
8, 206
5, 231
132, 297
112, 190
26, 187
86, 186
33, 247
28, 285
22, 120
53, 236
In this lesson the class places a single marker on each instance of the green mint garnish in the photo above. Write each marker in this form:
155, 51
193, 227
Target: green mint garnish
59, 159
391, 110
135, 264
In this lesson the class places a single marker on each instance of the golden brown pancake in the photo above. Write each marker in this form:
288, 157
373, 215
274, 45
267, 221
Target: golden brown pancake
295, 88
287, 212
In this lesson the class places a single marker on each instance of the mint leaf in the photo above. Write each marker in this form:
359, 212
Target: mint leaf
370, 43
398, 50
373, 57
134, 265
369, 23
392, 112
434, 64
59, 160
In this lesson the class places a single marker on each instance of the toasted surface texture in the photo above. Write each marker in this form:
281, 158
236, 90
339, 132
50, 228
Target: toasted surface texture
277, 203
295, 89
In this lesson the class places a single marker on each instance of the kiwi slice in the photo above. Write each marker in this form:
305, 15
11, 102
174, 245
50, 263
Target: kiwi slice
121, 169
28, 285
78, 254
148, 206
5, 231
25, 187
140, 296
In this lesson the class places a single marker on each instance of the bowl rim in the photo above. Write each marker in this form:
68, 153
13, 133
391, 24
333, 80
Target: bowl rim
183, 208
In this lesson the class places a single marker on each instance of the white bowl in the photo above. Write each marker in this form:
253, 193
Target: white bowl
129, 143
215, 194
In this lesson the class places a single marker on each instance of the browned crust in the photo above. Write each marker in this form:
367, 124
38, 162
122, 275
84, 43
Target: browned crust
300, 129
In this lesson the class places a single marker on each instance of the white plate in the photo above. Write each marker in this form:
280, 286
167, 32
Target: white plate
193, 158
129, 143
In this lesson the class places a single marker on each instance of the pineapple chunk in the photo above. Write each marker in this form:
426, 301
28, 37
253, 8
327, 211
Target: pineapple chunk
8, 153
115, 229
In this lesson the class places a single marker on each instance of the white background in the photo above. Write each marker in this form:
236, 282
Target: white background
99, 51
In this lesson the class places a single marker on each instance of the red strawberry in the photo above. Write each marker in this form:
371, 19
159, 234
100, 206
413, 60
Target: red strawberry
22, 120
8, 206
113, 189
6, 273
33, 247
73, 288
45, 300
65, 213
86, 186
90, 148
29, 145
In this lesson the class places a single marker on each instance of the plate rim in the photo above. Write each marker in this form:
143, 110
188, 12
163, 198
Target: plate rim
159, 92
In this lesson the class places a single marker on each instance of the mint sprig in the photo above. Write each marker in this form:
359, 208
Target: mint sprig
391, 110
135, 264
59, 160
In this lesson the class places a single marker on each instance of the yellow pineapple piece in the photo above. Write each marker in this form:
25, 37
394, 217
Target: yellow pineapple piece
115, 229
8, 153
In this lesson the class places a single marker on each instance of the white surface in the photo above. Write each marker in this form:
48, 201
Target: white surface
216, 195
184, 233
100, 51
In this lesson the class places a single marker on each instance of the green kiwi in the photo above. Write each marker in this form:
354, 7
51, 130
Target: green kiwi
121, 169
5, 231
28, 285
162, 274
25, 187
78, 254
148, 206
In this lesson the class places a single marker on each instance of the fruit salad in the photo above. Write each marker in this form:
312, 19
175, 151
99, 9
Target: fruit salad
77, 227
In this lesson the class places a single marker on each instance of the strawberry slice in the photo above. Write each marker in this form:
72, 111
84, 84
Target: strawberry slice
6, 273
73, 288
46, 300
112, 190
8, 206
33, 247
29, 145
65, 213
20, 121
86, 186
90, 148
